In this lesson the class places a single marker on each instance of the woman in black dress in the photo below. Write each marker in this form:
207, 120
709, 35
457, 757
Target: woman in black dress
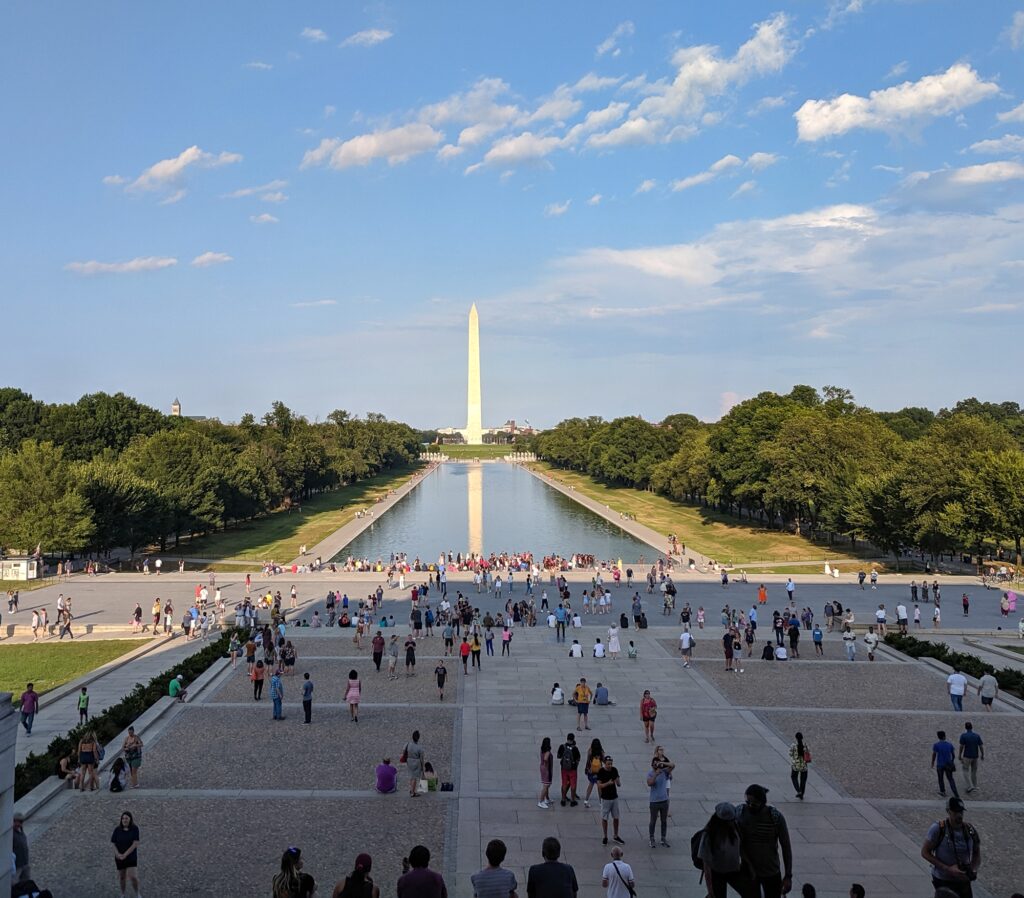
126, 853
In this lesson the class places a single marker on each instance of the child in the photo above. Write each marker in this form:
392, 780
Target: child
83, 706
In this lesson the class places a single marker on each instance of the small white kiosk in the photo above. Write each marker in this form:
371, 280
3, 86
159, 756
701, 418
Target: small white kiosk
20, 567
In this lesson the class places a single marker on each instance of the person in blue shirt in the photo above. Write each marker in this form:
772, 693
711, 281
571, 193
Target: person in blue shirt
818, 637
972, 750
943, 764
560, 617
657, 779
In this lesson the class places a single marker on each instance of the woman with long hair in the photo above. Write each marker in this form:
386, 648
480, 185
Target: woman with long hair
352, 694
593, 764
359, 883
132, 749
126, 853
258, 675
414, 762
648, 712
291, 882
799, 756
720, 852
546, 769
88, 754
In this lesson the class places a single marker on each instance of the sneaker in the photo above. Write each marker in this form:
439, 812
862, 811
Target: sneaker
586, 804
604, 841
620, 841
573, 804
652, 843
563, 802
542, 804
943, 794
665, 844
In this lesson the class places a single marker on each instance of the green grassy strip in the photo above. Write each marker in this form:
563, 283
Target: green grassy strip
51, 664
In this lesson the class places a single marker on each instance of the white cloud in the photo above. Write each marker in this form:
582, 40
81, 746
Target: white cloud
114, 180
263, 218
557, 107
897, 71
329, 111
712, 172
635, 131
761, 161
595, 200
525, 147
987, 173
1013, 115
450, 151
891, 169
745, 187
368, 38
205, 260
1008, 143
841, 175
478, 105
275, 196
259, 188
554, 210
166, 172
591, 82
611, 43
647, 185
314, 304
839, 10
393, 144
142, 263
314, 35
894, 108
595, 120
767, 103
1015, 30
173, 198
258, 66
989, 308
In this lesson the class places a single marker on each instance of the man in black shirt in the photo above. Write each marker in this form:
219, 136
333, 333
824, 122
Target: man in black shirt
552, 879
763, 832
607, 788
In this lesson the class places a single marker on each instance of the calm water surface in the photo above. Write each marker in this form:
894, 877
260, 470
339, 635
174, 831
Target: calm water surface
488, 508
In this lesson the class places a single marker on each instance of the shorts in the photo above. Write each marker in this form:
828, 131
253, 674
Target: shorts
250, 659
986, 700
569, 778
448, 643
592, 778
687, 651
728, 654
583, 708
609, 808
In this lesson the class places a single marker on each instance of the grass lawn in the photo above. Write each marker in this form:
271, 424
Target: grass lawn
715, 535
457, 450
49, 666
25, 585
1013, 648
278, 536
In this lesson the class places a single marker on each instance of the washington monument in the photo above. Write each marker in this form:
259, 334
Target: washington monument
474, 432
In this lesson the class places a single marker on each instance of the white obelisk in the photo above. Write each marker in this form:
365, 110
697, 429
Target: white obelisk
474, 432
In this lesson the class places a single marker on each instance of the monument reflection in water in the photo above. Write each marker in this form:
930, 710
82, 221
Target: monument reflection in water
491, 507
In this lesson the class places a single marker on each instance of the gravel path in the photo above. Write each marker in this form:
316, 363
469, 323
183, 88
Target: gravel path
889, 757
233, 748
233, 846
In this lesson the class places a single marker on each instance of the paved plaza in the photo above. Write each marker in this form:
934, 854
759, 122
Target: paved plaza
226, 789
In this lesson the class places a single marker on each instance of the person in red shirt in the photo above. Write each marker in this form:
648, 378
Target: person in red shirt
648, 712
464, 653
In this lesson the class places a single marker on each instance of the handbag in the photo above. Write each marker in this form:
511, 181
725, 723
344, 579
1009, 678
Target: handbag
652, 714
807, 756
632, 891
405, 755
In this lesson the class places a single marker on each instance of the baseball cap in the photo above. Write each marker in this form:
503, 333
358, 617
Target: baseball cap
725, 811
756, 791
956, 804
181, 677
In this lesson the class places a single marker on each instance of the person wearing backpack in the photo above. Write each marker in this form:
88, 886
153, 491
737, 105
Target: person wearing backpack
717, 850
763, 831
569, 760
953, 848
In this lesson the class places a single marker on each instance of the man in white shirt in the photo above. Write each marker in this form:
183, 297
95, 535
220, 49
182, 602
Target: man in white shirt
957, 685
871, 641
988, 689
616, 875
686, 646
575, 650
599, 648
780, 653
901, 618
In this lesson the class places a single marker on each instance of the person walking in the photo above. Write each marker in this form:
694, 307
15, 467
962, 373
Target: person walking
475, 649
377, 647
608, 784
258, 675
763, 831
551, 879
393, 657
307, 698
464, 651
871, 641
614, 646
441, 675
850, 642
582, 695
591, 766
648, 714
88, 757
617, 876
956, 683
277, 694
953, 849
728, 648
721, 855
352, 694
657, 781
131, 748
83, 706
494, 881
126, 853
410, 656
414, 762
29, 707
943, 764
971, 753
546, 770
799, 758
988, 690
569, 762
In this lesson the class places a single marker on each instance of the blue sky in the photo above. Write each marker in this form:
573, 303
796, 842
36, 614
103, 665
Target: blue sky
657, 207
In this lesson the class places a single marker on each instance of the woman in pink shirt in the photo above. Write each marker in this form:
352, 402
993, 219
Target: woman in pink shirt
352, 694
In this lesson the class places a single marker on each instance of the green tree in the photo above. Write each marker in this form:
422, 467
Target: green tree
126, 509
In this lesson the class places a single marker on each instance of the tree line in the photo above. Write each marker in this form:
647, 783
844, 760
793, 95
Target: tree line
110, 472
814, 460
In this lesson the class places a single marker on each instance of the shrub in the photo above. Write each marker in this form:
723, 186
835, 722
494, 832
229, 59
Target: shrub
36, 768
1010, 680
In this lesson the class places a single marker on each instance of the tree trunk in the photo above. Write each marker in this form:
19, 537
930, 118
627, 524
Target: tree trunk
1017, 542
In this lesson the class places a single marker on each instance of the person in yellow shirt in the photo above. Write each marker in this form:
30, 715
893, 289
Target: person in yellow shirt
582, 695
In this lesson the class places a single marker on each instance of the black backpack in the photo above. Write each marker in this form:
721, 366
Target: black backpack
567, 759
695, 850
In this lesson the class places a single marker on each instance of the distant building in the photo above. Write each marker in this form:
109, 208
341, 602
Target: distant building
176, 413
176, 409
508, 433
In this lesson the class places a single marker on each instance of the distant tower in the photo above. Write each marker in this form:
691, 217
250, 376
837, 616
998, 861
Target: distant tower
176, 409
474, 432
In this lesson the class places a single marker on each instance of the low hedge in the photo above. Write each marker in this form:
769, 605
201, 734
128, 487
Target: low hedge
115, 719
1009, 679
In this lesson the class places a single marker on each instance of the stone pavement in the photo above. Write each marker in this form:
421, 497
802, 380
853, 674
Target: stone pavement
310, 786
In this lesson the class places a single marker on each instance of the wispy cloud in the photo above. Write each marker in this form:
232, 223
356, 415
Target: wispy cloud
258, 189
313, 35
275, 196
368, 38
1013, 115
263, 218
205, 260
990, 308
1008, 143
175, 197
745, 187
314, 304
396, 145
765, 104
905, 106
1015, 30
755, 162
114, 180
141, 263
167, 172
897, 71
554, 210
258, 66
647, 185
595, 200
611, 43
